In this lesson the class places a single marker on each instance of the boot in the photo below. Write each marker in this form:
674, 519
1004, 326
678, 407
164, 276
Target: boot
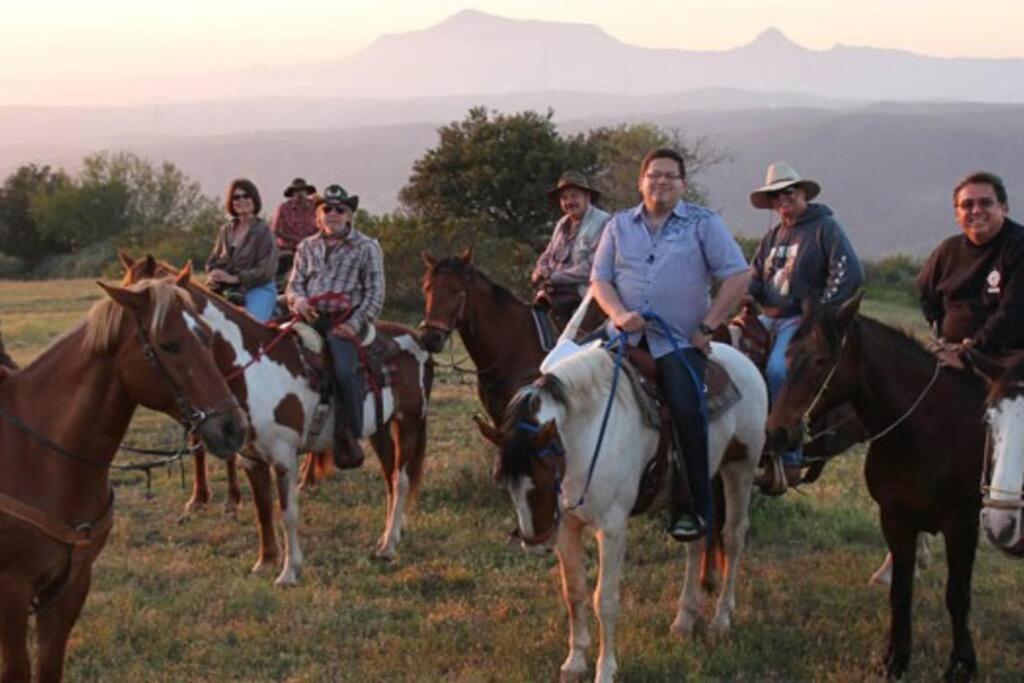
348, 453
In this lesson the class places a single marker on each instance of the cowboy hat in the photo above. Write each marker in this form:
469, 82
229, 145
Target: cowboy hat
299, 185
573, 179
780, 176
335, 194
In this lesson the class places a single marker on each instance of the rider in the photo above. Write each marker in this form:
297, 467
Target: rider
337, 284
562, 272
660, 257
972, 286
293, 221
805, 254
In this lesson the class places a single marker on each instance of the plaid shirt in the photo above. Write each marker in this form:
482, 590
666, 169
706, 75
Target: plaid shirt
294, 220
353, 266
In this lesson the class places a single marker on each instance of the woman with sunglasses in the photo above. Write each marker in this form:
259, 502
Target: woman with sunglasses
244, 257
806, 254
337, 285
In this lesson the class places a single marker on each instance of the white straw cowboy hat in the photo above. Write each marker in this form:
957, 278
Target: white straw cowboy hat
780, 176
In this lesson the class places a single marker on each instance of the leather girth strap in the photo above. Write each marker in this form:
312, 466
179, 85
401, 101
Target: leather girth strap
82, 536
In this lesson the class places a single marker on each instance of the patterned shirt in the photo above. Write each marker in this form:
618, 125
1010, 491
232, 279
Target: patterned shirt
353, 266
569, 252
294, 220
669, 273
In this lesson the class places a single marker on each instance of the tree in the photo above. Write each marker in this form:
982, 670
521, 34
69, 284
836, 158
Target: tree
494, 170
19, 231
80, 214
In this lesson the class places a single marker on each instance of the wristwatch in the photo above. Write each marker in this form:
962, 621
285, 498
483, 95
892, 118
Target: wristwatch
705, 329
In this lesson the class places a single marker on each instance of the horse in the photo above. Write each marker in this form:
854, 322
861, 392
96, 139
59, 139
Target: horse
1002, 483
268, 374
547, 443
63, 417
924, 455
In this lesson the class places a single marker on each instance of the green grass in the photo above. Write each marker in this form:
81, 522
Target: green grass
176, 602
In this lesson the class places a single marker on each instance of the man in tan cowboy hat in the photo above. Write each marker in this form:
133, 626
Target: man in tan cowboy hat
337, 285
806, 254
294, 220
562, 272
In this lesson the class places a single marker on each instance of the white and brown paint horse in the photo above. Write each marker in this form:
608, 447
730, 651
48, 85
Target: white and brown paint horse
566, 406
271, 384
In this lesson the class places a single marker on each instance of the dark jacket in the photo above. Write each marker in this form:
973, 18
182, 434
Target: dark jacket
255, 259
977, 292
812, 258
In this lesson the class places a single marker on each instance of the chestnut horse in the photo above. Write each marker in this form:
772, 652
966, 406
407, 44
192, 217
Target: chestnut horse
924, 458
558, 485
268, 375
61, 420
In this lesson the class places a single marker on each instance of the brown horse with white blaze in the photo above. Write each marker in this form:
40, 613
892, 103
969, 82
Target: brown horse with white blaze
924, 460
61, 420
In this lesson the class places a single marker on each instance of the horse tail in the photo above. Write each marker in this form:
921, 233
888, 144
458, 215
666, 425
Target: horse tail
713, 565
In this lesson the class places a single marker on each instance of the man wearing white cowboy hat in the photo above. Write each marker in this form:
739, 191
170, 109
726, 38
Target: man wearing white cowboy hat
806, 254
337, 285
562, 272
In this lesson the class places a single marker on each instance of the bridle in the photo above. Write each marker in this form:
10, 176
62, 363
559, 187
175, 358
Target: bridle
1017, 503
556, 453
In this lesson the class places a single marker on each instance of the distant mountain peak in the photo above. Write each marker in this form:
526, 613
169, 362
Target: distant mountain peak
773, 39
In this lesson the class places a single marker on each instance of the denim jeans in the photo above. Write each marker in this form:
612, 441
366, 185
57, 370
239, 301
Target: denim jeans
259, 301
683, 397
782, 330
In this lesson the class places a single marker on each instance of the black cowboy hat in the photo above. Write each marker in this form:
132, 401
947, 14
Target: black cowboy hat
335, 195
299, 185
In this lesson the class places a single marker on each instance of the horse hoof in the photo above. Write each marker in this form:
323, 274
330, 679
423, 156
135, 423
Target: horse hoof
718, 629
384, 555
286, 580
896, 666
961, 671
264, 565
193, 506
682, 628
571, 676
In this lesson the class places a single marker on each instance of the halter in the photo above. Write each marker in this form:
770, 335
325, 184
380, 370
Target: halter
987, 489
552, 450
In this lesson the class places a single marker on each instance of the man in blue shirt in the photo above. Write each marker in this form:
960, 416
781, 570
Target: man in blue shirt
661, 257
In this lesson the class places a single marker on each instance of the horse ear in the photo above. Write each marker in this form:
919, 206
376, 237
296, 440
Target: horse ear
467, 255
983, 365
428, 259
547, 432
489, 431
149, 267
126, 260
130, 299
185, 275
849, 309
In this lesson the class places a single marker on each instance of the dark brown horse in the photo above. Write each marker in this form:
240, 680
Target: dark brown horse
63, 417
924, 459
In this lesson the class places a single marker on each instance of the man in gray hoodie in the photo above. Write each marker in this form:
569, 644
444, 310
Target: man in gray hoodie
806, 254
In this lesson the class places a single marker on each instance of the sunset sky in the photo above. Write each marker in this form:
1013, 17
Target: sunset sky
70, 51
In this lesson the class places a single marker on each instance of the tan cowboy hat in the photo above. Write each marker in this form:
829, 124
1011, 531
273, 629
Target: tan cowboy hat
299, 185
780, 176
573, 179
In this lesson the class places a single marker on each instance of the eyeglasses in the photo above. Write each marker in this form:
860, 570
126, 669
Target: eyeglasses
984, 204
655, 176
336, 208
784, 192
238, 196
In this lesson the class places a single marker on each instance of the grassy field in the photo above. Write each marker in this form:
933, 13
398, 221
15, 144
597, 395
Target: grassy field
176, 602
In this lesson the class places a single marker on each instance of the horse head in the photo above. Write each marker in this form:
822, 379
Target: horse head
1002, 483
163, 350
819, 375
530, 466
445, 289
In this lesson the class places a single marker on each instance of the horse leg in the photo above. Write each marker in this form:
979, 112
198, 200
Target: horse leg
574, 589
384, 446
14, 606
611, 543
325, 468
288, 495
961, 543
54, 624
200, 486
691, 598
258, 473
234, 499
902, 542
738, 479
307, 473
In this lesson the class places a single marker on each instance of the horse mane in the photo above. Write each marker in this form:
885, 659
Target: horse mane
900, 339
453, 264
105, 317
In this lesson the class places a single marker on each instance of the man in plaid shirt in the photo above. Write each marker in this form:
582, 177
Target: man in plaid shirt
337, 285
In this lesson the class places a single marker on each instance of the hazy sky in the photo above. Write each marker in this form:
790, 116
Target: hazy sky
65, 51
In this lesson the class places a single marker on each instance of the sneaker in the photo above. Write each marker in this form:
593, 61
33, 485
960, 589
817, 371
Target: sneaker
686, 526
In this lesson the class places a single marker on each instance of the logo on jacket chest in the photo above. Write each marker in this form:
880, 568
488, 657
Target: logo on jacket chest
993, 280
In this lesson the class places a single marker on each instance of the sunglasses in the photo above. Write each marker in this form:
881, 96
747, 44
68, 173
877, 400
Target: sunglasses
240, 195
784, 192
983, 203
335, 208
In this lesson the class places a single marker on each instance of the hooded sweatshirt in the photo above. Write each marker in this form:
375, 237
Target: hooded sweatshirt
812, 258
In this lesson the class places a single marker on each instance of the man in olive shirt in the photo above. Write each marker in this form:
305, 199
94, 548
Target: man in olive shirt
972, 286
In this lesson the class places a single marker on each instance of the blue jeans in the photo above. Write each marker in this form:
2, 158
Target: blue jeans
684, 401
782, 330
259, 301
